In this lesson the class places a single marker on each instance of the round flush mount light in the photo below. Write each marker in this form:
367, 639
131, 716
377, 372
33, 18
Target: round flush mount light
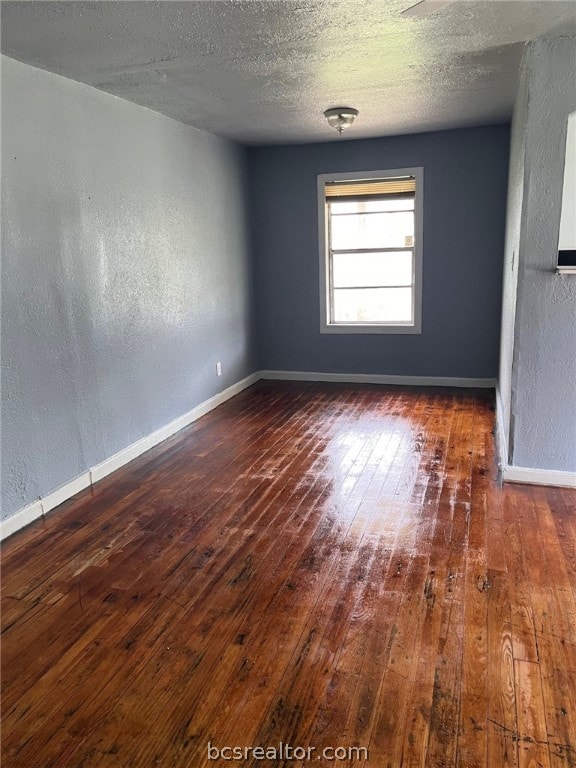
341, 117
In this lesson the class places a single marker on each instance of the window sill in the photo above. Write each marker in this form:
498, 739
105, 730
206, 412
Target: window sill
371, 329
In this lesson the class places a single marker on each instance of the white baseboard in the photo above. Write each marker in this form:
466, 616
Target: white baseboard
528, 475
141, 446
43, 505
513, 474
22, 518
66, 492
370, 378
500, 432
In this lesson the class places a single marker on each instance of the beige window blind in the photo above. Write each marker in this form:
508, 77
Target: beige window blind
400, 187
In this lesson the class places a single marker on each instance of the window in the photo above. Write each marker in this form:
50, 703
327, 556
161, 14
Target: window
371, 251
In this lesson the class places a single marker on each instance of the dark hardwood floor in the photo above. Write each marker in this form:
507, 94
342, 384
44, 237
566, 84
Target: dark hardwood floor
327, 566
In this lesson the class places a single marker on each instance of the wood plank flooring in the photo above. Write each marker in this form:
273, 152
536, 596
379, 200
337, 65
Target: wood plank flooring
324, 566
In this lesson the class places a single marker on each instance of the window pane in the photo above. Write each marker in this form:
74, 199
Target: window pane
372, 230
373, 305
362, 206
371, 269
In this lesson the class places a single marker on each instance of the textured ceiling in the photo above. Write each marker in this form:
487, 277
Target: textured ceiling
263, 72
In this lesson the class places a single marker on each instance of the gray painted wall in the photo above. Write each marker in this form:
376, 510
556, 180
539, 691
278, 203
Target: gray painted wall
538, 371
125, 276
465, 183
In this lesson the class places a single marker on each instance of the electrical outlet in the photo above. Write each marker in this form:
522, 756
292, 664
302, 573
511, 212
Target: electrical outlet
218, 369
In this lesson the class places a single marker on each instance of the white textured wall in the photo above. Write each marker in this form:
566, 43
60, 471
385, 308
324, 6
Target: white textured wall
539, 327
125, 276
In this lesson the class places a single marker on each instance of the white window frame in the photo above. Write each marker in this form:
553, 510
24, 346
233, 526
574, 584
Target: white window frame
398, 328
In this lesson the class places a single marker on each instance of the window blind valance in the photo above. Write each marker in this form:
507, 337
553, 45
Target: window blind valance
346, 190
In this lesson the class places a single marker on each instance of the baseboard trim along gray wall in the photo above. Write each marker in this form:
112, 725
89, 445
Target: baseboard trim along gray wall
532, 476
46, 504
526, 475
371, 378
42, 506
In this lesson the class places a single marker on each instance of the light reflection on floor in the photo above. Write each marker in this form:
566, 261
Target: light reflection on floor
373, 469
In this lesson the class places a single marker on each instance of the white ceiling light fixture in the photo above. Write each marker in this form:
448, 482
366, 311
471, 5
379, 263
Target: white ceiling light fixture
341, 117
